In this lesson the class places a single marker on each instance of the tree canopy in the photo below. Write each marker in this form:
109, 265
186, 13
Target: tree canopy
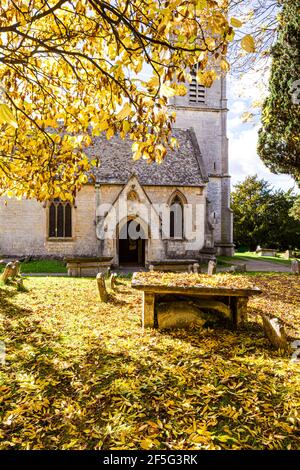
262, 216
73, 69
279, 139
260, 18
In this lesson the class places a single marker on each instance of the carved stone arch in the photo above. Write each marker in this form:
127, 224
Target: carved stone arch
179, 195
177, 202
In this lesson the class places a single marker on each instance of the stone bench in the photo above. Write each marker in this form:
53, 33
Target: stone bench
87, 267
229, 301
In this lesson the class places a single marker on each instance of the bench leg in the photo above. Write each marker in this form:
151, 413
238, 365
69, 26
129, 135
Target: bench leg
148, 310
239, 310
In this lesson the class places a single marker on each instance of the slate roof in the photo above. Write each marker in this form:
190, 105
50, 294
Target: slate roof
181, 167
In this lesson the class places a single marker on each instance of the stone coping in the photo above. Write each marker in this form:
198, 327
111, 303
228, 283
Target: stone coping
88, 259
193, 290
172, 261
267, 249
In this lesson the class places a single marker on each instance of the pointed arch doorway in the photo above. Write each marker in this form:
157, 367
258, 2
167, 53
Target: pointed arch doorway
131, 244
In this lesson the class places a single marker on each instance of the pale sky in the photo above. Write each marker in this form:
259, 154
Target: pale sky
243, 158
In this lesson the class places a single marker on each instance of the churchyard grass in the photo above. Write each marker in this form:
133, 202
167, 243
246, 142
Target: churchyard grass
80, 374
251, 255
42, 266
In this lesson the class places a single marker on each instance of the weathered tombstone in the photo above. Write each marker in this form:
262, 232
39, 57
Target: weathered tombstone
101, 287
179, 315
238, 268
287, 254
190, 268
8, 272
275, 332
295, 267
151, 267
196, 267
212, 267
113, 281
16, 270
108, 272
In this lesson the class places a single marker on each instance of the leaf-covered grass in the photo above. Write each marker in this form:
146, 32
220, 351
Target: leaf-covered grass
252, 256
42, 266
83, 375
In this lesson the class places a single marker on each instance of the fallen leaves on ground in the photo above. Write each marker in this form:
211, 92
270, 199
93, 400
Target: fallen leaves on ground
195, 280
80, 374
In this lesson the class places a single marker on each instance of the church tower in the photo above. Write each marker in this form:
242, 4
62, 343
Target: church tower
205, 110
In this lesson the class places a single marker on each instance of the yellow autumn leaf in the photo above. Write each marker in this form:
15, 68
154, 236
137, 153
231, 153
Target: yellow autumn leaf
167, 91
110, 133
200, 4
180, 89
224, 64
206, 78
102, 126
6, 116
236, 23
124, 113
248, 43
126, 126
146, 444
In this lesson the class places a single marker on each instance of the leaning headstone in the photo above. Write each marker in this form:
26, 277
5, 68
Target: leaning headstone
196, 267
101, 287
212, 267
16, 270
295, 266
113, 281
275, 332
8, 272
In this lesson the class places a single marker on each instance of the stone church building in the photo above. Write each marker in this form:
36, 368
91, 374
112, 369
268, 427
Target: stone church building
177, 210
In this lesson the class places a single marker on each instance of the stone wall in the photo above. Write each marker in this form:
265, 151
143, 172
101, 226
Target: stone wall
24, 228
24, 224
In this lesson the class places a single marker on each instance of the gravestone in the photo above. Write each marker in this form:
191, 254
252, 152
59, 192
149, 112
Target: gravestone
101, 287
295, 267
113, 281
238, 268
287, 254
190, 268
275, 332
179, 315
212, 267
11, 271
196, 267
151, 268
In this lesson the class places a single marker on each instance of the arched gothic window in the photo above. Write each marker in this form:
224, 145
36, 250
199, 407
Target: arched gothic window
176, 218
60, 219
